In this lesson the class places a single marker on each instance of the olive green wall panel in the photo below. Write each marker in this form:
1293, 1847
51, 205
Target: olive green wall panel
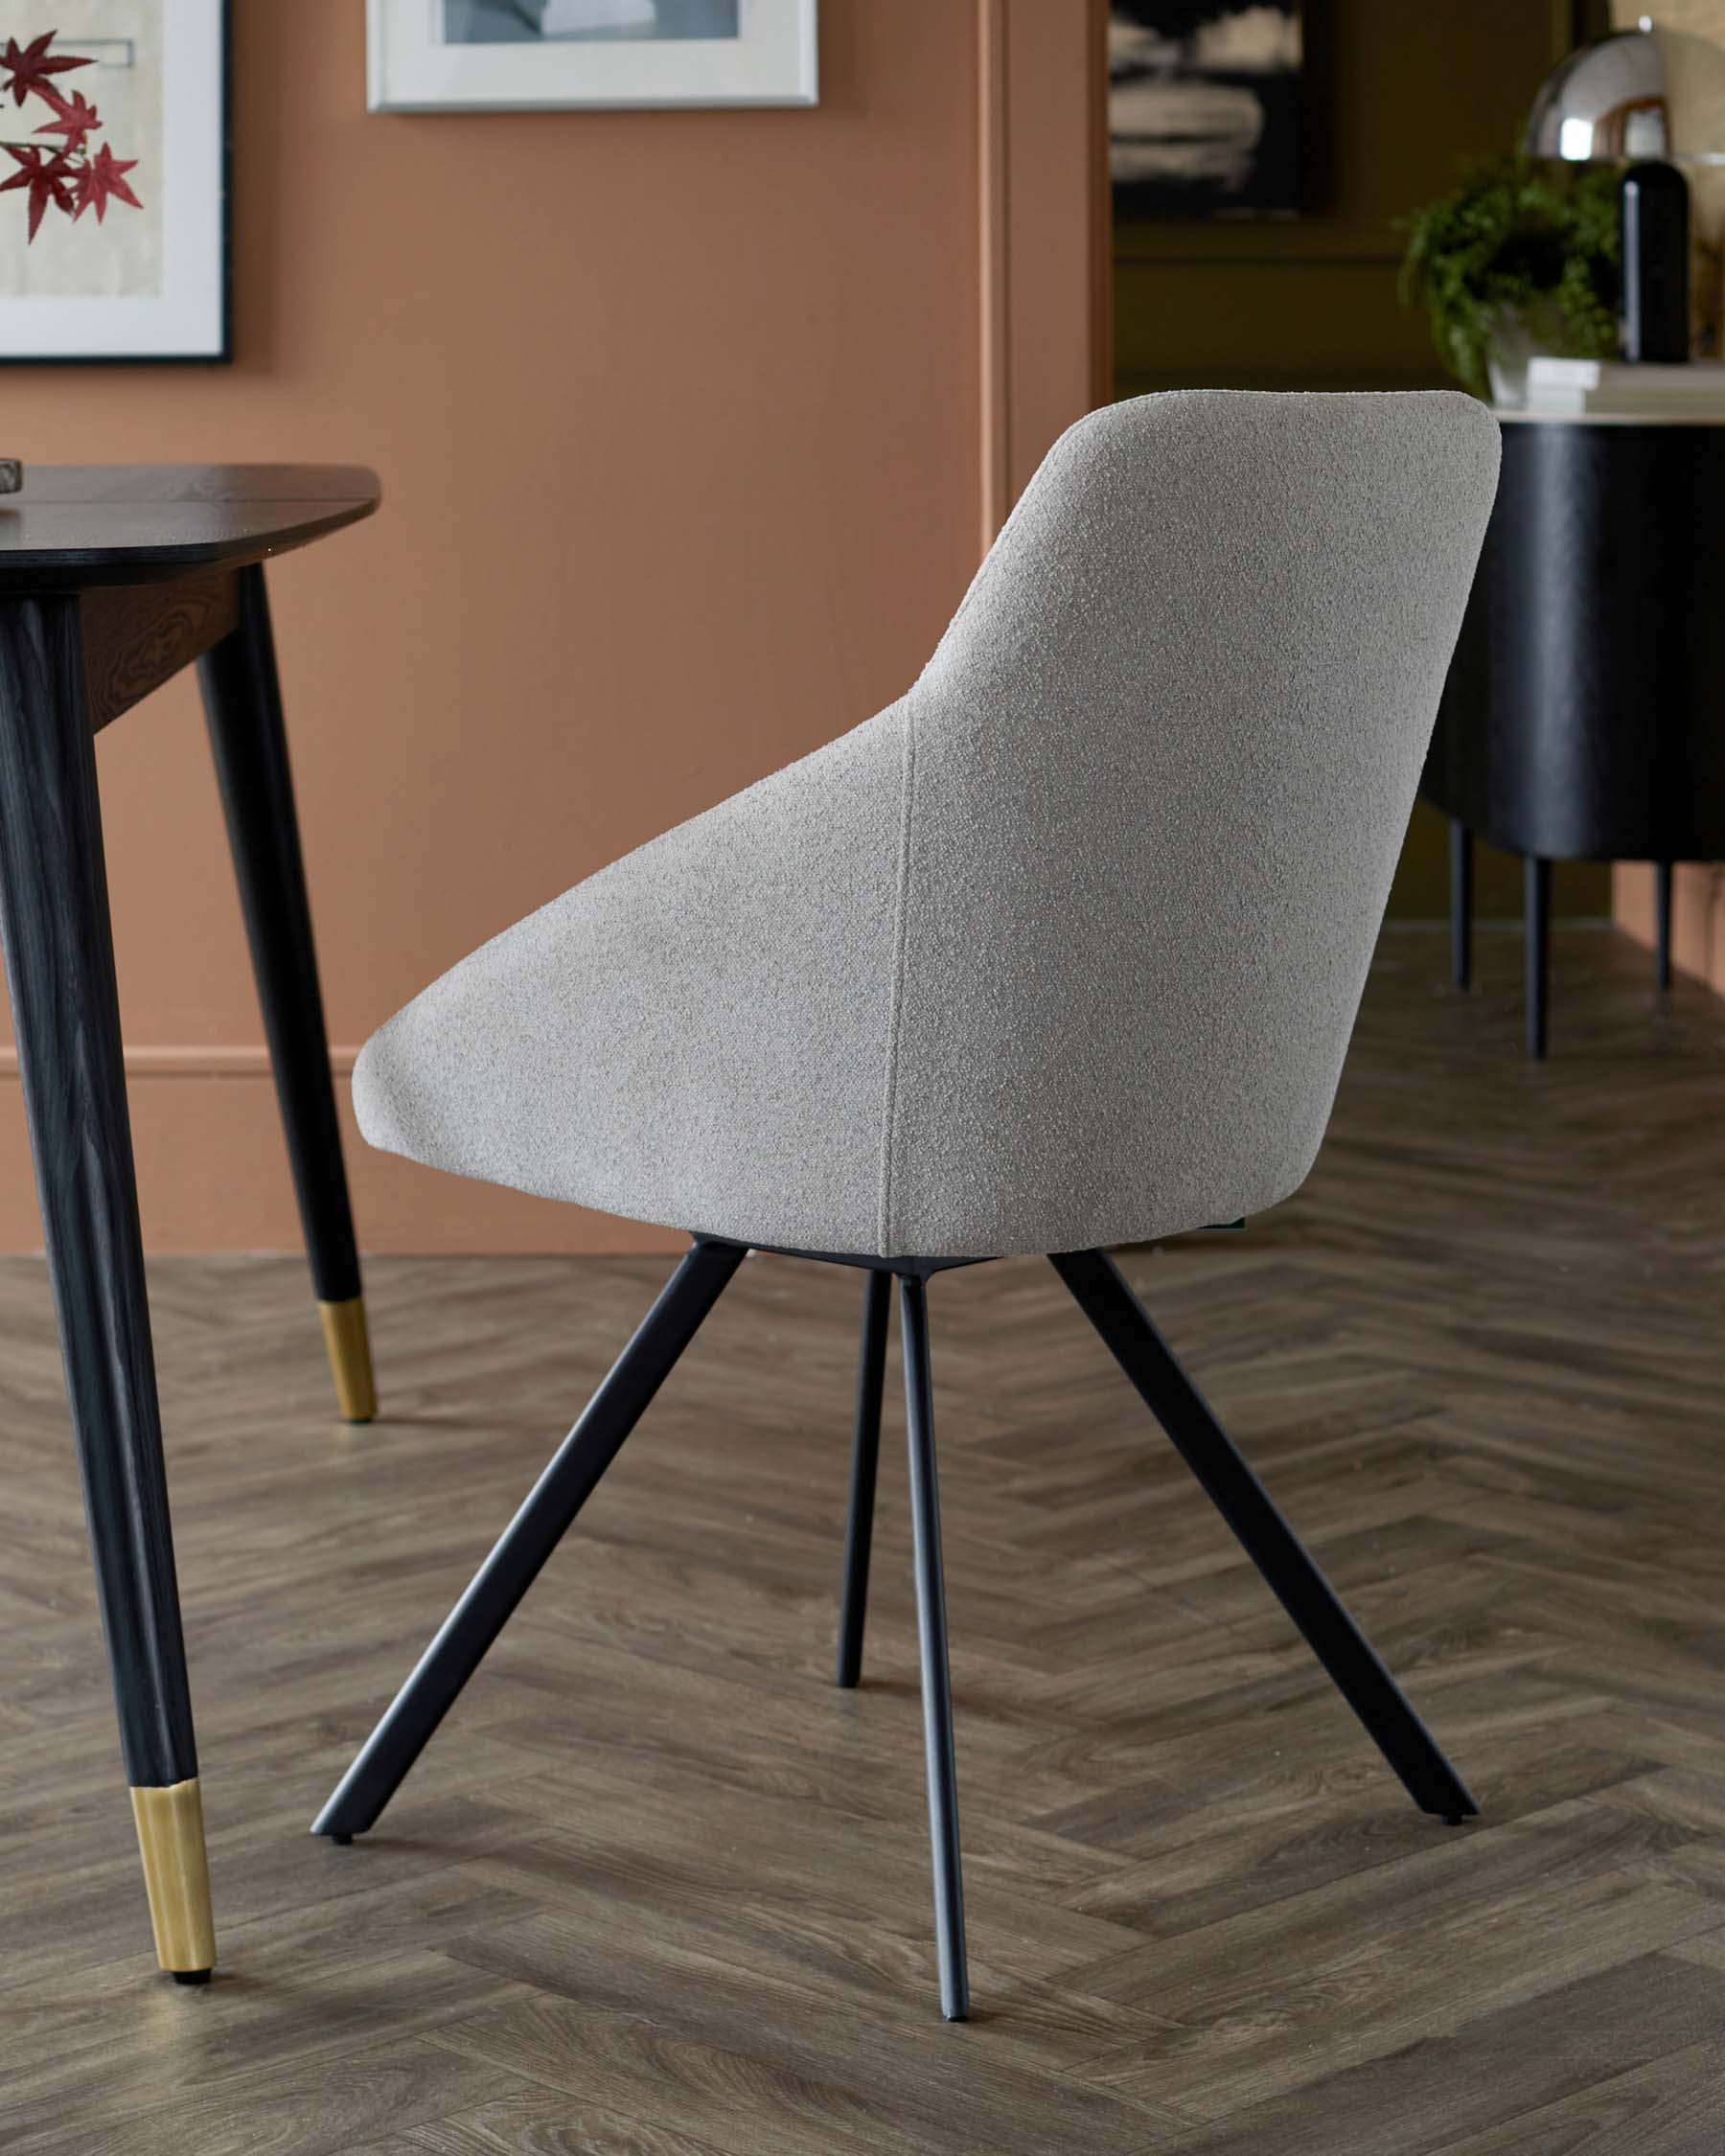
1396, 93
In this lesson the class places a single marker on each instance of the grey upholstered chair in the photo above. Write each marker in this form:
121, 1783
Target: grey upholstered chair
1061, 950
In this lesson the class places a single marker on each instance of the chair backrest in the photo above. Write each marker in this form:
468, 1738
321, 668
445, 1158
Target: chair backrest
1158, 775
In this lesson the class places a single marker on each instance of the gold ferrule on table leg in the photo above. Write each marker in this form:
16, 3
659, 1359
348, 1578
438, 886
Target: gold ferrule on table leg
176, 1876
349, 1357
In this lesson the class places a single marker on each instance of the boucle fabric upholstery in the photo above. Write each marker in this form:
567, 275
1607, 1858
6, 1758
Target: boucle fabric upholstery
1064, 948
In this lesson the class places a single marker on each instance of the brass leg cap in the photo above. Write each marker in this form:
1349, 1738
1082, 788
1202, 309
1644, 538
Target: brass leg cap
349, 1357
177, 1876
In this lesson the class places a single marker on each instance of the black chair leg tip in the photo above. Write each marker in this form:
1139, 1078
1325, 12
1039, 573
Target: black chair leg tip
340, 1841
191, 1976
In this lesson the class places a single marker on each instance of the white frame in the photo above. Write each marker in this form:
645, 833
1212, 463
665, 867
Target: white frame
188, 318
410, 69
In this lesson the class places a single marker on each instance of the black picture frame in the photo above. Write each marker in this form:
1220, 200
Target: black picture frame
1205, 123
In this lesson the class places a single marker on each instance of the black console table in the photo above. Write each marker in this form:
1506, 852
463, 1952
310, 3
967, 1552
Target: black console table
1585, 716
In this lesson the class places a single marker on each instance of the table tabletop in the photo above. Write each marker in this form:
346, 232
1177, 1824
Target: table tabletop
1518, 415
77, 524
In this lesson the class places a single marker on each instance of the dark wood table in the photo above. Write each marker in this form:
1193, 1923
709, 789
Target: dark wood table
1580, 721
111, 580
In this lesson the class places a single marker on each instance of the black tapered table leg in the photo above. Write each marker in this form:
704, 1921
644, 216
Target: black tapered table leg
243, 703
865, 1453
1536, 949
931, 1640
1462, 896
1662, 923
1103, 1295
515, 1563
59, 966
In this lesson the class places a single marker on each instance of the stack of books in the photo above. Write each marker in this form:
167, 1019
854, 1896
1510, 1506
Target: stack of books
1581, 388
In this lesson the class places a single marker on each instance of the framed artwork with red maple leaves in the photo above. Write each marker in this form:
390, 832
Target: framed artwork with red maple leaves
114, 214
439, 56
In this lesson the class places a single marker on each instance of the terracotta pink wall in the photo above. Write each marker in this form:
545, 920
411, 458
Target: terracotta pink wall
680, 424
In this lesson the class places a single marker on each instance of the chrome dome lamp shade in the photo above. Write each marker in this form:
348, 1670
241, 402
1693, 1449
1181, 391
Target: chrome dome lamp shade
1639, 93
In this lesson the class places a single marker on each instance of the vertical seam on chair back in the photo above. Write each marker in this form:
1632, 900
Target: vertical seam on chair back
900, 932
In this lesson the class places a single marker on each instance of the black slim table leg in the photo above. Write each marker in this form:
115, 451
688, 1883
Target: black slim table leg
242, 702
1462, 880
1662, 923
931, 1639
865, 1454
59, 966
1536, 934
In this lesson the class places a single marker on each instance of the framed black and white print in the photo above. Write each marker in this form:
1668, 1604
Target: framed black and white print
433, 56
113, 181
1204, 107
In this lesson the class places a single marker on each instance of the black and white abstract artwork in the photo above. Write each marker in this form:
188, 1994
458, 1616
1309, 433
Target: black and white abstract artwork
586, 55
509, 22
1204, 107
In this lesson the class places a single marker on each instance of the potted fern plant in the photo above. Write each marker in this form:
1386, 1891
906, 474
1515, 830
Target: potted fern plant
1520, 257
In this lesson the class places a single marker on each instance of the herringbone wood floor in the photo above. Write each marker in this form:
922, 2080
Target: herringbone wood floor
658, 1891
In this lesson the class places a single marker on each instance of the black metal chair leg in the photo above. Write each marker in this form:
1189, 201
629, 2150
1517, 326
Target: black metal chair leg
1462, 880
1536, 934
531, 1536
1116, 1312
931, 1638
865, 1453
242, 702
1662, 923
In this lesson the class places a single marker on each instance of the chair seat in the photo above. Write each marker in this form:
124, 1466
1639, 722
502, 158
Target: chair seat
703, 1035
